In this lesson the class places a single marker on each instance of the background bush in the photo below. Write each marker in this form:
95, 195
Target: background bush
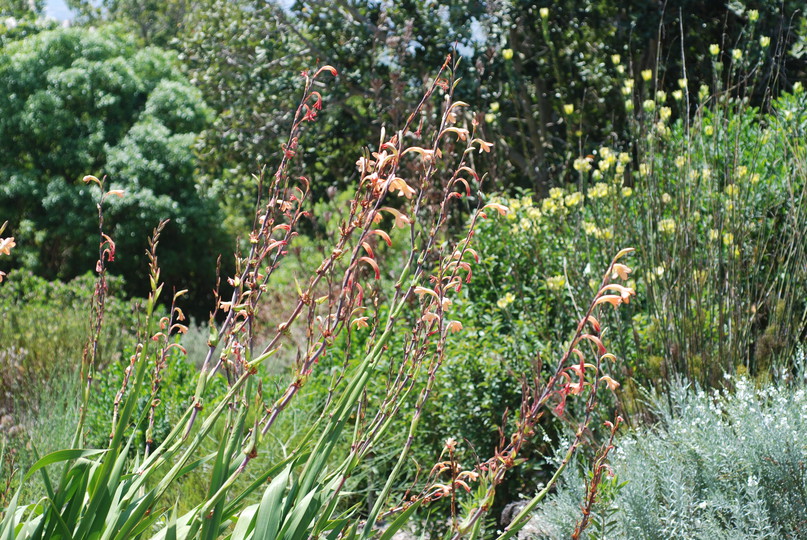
90, 101
724, 464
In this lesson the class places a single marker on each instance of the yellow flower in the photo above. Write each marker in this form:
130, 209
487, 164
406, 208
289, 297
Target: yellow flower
627, 191
649, 105
525, 224
616, 59
506, 300
703, 91
624, 157
680, 161
661, 96
678, 95
544, 12
728, 239
742, 170
665, 113
647, 74
714, 234
573, 199
568, 108
753, 15
764, 41
490, 118
666, 198
549, 206
754, 178
556, 193
582, 165
714, 49
555, 283
598, 190
737, 54
682, 83
507, 54
708, 130
494, 107
731, 190
533, 213
644, 170
666, 226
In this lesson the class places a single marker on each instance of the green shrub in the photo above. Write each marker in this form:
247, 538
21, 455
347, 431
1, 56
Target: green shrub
43, 329
724, 464
78, 101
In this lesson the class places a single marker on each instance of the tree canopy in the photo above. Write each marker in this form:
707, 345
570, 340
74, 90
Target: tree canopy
84, 101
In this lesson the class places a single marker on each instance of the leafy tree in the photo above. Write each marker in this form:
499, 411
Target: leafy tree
85, 101
526, 60
155, 22
20, 9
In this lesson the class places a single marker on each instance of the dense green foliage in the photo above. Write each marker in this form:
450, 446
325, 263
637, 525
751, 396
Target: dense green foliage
717, 465
679, 129
77, 102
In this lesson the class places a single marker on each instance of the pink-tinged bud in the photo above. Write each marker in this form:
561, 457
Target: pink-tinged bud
384, 236
560, 407
401, 220
612, 384
372, 263
454, 326
609, 298
484, 146
500, 208
622, 271
624, 292
465, 184
6, 244
329, 69
420, 291
594, 339
461, 133
595, 324
623, 252
360, 322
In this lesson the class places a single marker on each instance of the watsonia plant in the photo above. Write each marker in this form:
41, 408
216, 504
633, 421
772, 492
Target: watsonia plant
103, 494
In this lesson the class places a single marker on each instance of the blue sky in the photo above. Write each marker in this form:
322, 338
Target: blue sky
57, 9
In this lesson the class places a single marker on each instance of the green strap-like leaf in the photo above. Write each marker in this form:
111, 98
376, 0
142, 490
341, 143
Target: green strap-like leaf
270, 511
400, 521
59, 456
245, 523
